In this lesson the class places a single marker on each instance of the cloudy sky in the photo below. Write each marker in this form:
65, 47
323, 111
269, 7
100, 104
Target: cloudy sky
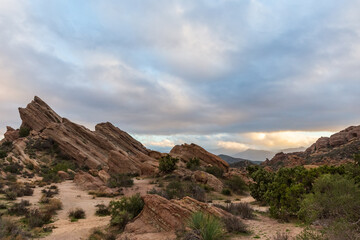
225, 74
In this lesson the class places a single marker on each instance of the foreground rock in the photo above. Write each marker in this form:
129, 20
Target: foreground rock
187, 151
337, 149
161, 217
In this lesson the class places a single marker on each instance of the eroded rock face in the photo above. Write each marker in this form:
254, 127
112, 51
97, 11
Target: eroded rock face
166, 216
38, 115
11, 134
187, 151
208, 179
107, 147
335, 150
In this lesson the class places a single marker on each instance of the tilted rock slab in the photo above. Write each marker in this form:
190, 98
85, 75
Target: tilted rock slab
187, 151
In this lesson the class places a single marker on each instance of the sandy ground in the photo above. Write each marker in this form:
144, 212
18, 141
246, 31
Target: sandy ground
263, 227
72, 197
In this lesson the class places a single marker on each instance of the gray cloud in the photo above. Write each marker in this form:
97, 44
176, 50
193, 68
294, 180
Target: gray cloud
184, 67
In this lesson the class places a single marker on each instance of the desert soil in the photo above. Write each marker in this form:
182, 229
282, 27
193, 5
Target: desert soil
71, 196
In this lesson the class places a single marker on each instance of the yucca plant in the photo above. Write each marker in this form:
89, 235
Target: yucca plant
209, 227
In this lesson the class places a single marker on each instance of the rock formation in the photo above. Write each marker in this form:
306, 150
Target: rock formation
165, 216
337, 149
107, 147
187, 151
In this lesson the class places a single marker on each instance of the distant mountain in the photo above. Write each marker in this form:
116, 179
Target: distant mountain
238, 162
230, 159
255, 155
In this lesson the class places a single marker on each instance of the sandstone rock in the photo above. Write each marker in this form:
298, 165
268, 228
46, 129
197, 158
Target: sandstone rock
63, 175
208, 179
166, 216
104, 176
336, 150
90, 183
187, 151
11, 134
38, 115
156, 154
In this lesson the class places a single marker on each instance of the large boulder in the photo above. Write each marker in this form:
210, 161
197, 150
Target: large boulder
187, 151
165, 216
208, 179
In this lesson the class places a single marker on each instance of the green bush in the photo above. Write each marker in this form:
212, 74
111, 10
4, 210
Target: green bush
193, 163
333, 197
216, 171
24, 131
125, 209
178, 190
3, 154
167, 164
20, 208
11, 230
120, 180
226, 192
76, 214
208, 227
102, 210
236, 185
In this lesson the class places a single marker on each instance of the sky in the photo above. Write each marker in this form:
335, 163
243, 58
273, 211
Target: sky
225, 74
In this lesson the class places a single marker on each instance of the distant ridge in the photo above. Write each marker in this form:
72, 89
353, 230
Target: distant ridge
238, 162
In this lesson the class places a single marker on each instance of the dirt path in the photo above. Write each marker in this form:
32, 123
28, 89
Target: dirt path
263, 227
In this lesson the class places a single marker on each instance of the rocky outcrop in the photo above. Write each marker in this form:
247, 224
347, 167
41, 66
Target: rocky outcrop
11, 134
208, 179
92, 183
337, 149
38, 115
107, 147
187, 151
165, 216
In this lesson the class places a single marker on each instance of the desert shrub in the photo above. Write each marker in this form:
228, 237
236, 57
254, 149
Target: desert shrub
14, 168
226, 192
76, 214
97, 234
10, 195
10, 230
102, 210
310, 234
239, 209
234, 225
49, 193
193, 163
11, 177
20, 208
53, 205
24, 131
334, 197
36, 218
125, 209
236, 184
3, 154
216, 171
178, 190
281, 236
167, 164
120, 180
209, 227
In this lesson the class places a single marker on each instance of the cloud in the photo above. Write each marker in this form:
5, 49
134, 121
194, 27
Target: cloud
232, 146
199, 71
